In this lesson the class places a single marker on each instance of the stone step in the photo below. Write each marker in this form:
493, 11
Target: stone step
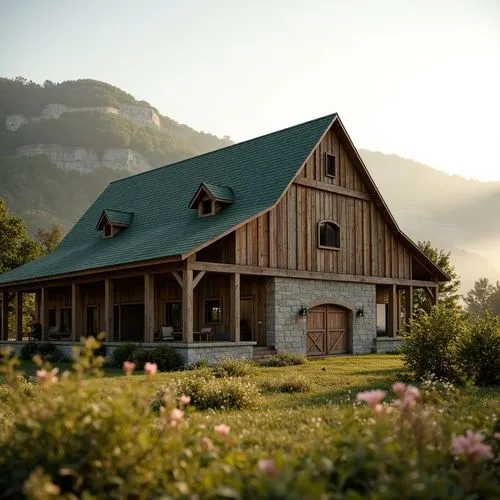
263, 352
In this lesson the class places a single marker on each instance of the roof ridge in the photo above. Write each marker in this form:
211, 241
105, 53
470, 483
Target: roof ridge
332, 115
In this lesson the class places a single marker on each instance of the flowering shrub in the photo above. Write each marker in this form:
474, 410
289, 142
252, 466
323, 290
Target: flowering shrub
290, 382
208, 392
165, 358
285, 359
233, 367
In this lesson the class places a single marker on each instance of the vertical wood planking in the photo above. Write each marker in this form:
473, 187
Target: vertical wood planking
187, 306
234, 296
292, 227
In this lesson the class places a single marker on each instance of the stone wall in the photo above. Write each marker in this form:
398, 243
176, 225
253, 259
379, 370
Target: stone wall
86, 160
286, 331
387, 345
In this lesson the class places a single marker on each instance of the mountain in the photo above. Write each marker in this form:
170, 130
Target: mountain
62, 143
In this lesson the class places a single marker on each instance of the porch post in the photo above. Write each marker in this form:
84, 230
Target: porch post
408, 308
235, 307
109, 297
393, 312
76, 313
37, 306
19, 316
435, 300
5, 316
44, 314
187, 306
149, 307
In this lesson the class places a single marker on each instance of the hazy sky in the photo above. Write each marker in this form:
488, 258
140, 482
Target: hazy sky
417, 78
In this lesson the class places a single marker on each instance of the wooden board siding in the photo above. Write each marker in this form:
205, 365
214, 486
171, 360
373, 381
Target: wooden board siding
286, 237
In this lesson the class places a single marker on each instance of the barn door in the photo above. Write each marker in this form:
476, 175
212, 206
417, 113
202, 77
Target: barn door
327, 327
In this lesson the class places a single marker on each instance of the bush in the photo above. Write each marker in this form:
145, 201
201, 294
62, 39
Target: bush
124, 352
285, 359
289, 383
166, 358
233, 367
432, 346
47, 351
207, 392
479, 351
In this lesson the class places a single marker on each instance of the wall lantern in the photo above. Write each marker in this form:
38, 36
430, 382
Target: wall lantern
303, 311
360, 312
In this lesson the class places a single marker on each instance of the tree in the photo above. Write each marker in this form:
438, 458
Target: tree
49, 238
448, 290
483, 297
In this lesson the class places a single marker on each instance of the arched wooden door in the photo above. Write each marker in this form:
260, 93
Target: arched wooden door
327, 330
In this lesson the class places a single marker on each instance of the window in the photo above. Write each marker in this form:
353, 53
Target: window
52, 317
92, 320
108, 230
382, 319
206, 207
65, 319
173, 315
213, 311
329, 235
330, 167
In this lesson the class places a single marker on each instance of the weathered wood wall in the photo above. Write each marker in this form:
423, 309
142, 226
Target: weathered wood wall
286, 237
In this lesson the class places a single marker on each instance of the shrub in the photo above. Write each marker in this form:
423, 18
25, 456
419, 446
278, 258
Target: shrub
124, 352
290, 383
432, 346
285, 359
166, 358
47, 351
479, 351
207, 392
233, 367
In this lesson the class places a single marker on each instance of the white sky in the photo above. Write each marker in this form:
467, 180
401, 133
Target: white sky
417, 78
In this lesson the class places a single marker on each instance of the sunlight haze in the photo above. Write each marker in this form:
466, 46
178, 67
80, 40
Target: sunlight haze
417, 79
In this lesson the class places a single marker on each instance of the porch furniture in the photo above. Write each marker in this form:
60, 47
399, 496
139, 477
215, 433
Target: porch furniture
167, 333
205, 335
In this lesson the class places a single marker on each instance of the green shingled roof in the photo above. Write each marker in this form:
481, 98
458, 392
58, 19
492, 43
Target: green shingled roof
118, 217
257, 171
220, 193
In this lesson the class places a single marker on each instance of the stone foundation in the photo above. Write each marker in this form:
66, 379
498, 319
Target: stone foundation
387, 345
286, 331
192, 353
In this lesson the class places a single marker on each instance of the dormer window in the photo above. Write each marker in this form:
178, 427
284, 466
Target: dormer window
112, 222
210, 199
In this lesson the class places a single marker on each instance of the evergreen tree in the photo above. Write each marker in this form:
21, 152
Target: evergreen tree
484, 296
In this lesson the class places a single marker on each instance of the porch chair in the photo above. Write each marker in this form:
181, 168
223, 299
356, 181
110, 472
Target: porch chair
167, 332
207, 332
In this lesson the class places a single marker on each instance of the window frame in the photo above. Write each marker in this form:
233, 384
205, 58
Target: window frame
337, 226
205, 317
201, 213
334, 160
166, 322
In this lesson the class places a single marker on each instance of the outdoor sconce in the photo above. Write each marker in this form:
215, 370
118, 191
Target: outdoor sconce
303, 311
360, 312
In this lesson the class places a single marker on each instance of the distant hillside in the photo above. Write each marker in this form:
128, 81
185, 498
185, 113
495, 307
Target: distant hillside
61, 144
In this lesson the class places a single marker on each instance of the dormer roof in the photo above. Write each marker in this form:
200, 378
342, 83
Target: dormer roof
115, 217
222, 194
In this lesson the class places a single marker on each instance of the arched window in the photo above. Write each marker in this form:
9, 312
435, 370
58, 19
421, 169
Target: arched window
329, 234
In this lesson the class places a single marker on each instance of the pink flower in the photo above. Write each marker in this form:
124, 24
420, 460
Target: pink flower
267, 466
176, 414
471, 446
372, 398
206, 443
44, 376
150, 368
128, 367
184, 400
412, 392
496, 435
399, 388
222, 429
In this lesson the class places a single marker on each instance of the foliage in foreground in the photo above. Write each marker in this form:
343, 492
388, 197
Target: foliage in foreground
450, 345
233, 367
284, 359
70, 439
165, 358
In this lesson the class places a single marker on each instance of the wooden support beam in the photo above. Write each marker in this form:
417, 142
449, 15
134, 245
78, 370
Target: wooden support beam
234, 324
109, 300
44, 313
19, 316
37, 306
408, 308
5, 316
393, 312
198, 278
187, 306
76, 313
178, 278
330, 188
149, 307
